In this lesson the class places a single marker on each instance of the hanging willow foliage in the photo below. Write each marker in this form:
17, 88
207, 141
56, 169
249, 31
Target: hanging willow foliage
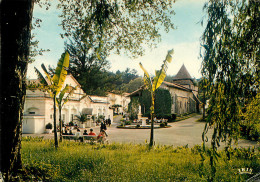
230, 52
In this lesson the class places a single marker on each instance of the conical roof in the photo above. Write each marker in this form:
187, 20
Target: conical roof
183, 74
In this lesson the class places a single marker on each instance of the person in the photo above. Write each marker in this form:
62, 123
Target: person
66, 132
109, 122
103, 126
77, 134
91, 132
85, 132
70, 132
102, 136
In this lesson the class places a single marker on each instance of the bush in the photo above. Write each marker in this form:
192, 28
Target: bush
128, 123
49, 126
162, 125
138, 126
71, 123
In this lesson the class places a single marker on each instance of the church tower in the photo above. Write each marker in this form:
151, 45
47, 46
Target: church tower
183, 78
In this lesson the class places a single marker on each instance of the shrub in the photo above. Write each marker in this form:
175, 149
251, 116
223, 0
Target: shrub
71, 123
127, 122
49, 126
138, 126
162, 125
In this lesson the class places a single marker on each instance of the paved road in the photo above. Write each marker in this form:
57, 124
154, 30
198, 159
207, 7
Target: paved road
181, 133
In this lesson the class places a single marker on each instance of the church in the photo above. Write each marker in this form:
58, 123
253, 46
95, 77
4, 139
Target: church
183, 90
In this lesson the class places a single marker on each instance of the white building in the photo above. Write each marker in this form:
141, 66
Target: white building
38, 109
119, 99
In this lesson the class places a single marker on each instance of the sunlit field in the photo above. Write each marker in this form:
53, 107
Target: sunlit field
75, 161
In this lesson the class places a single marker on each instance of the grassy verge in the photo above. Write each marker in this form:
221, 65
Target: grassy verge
74, 161
180, 118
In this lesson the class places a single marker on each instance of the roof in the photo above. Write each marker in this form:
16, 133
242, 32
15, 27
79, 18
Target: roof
96, 100
168, 84
87, 111
183, 74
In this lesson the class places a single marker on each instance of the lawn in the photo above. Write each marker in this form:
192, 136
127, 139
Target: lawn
75, 161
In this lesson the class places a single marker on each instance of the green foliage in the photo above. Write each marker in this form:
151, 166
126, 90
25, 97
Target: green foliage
82, 117
87, 67
119, 25
127, 122
74, 161
230, 65
133, 85
133, 108
49, 126
162, 125
162, 105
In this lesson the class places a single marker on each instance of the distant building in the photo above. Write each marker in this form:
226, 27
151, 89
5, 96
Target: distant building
119, 99
183, 91
38, 109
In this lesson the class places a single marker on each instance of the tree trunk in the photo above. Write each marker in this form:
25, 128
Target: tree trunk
60, 124
54, 122
16, 19
204, 103
152, 121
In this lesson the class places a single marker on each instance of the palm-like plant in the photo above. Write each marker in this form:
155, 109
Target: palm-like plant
82, 117
153, 84
53, 84
61, 102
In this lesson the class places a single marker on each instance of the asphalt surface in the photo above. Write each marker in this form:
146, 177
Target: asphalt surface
186, 132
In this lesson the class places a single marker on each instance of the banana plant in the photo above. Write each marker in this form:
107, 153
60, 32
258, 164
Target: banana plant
61, 102
53, 84
152, 84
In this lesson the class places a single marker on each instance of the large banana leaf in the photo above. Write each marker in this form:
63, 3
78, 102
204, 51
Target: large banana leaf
61, 72
62, 94
147, 79
41, 77
160, 75
47, 74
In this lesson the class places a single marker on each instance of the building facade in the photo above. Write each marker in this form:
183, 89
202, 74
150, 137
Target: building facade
183, 90
38, 109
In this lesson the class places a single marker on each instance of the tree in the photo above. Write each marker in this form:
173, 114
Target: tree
53, 84
117, 25
132, 85
61, 102
152, 85
16, 19
87, 67
203, 95
231, 66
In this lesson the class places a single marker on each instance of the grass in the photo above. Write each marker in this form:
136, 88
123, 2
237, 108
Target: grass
183, 117
74, 161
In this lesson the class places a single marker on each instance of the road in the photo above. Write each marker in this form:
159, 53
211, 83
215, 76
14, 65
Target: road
181, 133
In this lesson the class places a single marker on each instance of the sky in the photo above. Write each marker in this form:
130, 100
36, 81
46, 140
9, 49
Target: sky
185, 40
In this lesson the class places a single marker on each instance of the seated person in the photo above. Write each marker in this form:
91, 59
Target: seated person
70, 132
102, 136
77, 134
66, 132
85, 132
91, 132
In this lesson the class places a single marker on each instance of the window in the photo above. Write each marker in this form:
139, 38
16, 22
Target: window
31, 112
72, 117
51, 116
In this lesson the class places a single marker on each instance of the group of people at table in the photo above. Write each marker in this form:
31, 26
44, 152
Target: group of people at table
101, 137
